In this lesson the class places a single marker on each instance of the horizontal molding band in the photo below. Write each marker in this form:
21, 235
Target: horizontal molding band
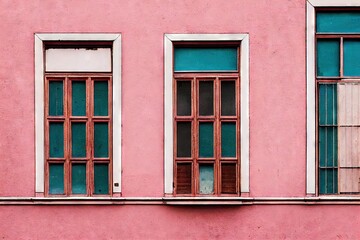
180, 201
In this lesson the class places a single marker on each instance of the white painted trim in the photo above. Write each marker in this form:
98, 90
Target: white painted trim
168, 116
310, 100
334, 3
168, 98
39, 100
39, 115
117, 144
245, 119
180, 201
205, 37
77, 36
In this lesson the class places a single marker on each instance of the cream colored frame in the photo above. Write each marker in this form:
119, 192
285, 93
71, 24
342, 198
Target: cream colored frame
40, 39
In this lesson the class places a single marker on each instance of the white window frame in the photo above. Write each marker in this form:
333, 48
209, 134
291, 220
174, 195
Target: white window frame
310, 85
169, 39
40, 39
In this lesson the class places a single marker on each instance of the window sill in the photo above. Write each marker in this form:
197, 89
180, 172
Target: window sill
181, 201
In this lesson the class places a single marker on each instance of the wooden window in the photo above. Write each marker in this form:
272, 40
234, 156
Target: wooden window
78, 139
338, 100
206, 119
78, 114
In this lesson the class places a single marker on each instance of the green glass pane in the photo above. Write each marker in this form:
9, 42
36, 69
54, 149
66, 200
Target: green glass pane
206, 139
78, 139
78, 178
101, 139
101, 178
351, 57
338, 22
328, 179
101, 98
56, 98
228, 139
205, 59
328, 57
327, 104
206, 183
56, 178
56, 139
78, 98
328, 149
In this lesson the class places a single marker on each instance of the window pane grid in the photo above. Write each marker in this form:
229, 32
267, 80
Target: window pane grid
339, 112
78, 125
206, 135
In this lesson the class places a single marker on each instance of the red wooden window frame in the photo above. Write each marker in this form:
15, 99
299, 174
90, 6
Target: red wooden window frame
217, 119
67, 119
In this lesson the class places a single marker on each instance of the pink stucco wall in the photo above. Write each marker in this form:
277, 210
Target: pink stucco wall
277, 120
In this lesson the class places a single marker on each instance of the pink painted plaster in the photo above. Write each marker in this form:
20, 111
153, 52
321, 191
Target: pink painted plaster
277, 121
166, 222
277, 75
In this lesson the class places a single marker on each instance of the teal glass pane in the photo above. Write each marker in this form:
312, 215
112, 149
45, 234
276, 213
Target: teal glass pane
206, 182
78, 178
327, 104
205, 59
328, 57
338, 22
101, 178
328, 149
101, 107
56, 98
328, 179
78, 98
206, 139
56, 178
78, 139
56, 139
351, 57
228, 139
101, 139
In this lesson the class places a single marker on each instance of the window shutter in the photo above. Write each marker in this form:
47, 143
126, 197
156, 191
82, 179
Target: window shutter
228, 178
183, 178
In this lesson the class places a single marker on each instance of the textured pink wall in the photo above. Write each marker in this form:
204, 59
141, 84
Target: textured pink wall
277, 121
277, 83
164, 222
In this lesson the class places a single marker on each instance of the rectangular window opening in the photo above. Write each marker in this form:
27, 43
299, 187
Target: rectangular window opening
206, 85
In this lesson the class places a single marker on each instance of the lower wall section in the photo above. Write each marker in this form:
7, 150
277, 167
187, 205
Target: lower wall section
179, 222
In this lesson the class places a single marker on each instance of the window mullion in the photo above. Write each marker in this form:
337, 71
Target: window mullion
67, 136
90, 134
341, 57
195, 145
238, 138
217, 124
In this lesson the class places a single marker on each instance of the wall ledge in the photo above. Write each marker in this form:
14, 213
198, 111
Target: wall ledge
243, 201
